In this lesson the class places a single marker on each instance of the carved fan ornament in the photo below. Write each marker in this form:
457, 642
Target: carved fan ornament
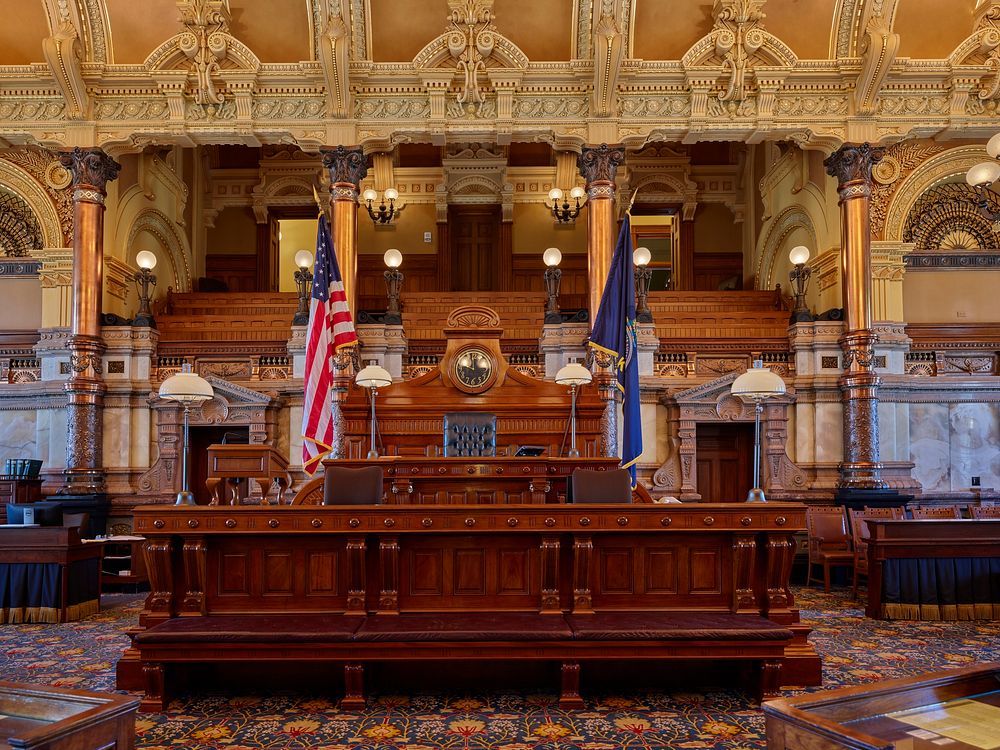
20, 232
947, 217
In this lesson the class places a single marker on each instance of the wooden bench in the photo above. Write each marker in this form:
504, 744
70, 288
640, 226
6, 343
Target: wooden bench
485, 636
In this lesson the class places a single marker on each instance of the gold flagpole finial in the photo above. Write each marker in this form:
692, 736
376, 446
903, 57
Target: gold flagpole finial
630, 203
319, 205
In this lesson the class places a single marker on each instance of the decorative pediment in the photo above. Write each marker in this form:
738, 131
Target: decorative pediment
706, 392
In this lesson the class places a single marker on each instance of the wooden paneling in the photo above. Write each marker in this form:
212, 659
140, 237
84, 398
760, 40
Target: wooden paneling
478, 260
529, 276
237, 272
724, 461
712, 269
419, 275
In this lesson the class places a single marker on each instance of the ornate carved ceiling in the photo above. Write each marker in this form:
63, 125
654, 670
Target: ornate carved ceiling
122, 74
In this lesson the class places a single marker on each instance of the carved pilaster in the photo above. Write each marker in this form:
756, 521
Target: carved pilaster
583, 553
159, 565
852, 166
90, 171
598, 167
744, 557
347, 168
388, 597
195, 554
780, 554
355, 553
550, 575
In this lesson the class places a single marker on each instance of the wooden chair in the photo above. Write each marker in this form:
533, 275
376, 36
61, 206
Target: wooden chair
588, 486
985, 511
343, 485
936, 511
829, 543
896, 511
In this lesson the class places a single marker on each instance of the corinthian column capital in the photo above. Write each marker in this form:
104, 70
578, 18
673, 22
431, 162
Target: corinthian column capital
853, 162
346, 165
599, 164
90, 168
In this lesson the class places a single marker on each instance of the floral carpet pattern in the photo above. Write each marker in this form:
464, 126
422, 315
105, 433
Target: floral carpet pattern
855, 650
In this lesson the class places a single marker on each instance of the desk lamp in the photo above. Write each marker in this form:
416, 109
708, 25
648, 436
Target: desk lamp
373, 377
757, 385
186, 388
574, 375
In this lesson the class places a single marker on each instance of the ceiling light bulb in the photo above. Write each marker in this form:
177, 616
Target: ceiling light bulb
555, 194
303, 259
391, 194
983, 174
145, 259
641, 256
369, 195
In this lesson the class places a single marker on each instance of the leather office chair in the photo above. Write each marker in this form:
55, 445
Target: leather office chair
79, 521
829, 543
470, 433
346, 486
589, 486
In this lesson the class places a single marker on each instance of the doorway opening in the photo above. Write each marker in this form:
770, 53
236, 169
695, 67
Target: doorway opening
724, 461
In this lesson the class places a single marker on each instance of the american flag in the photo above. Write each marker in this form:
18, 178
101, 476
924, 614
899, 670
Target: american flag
331, 328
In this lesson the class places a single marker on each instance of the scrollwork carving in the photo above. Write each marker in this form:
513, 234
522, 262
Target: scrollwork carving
346, 165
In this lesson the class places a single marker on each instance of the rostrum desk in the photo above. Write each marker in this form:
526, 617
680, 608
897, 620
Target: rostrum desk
349, 584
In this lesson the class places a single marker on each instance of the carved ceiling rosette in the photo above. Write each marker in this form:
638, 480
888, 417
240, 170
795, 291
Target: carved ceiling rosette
90, 167
345, 165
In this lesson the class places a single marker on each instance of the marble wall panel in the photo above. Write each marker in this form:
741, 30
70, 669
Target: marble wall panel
973, 440
17, 435
930, 446
829, 432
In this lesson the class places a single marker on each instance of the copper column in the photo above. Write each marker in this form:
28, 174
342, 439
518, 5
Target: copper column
852, 166
91, 170
347, 167
598, 166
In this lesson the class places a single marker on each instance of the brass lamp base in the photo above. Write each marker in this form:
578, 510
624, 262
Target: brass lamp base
756, 495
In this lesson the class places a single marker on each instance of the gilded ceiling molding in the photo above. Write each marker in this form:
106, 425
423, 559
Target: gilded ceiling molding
583, 22
63, 52
851, 19
899, 161
609, 51
175, 244
878, 51
334, 49
982, 48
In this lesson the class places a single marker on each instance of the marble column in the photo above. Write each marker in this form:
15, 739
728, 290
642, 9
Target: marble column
91, 170
347, 167
852, 166
598, 166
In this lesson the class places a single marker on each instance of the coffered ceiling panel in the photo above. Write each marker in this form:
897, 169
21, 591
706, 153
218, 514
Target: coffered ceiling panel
932, 28
401, 30
665, 31
541, 28
22, 32
276, 30
135, 33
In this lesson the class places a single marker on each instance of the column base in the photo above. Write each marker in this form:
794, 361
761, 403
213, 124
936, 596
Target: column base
83, 482
857, 499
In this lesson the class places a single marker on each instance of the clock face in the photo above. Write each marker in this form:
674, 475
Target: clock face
473, 370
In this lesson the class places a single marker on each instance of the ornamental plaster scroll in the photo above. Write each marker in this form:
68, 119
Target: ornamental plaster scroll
609, 51
933, 170
899, 161
736, 46
353, 13
175, 244
89, 19
982, 48
878, 51
851, 18
334, 56
773, 241
63, 52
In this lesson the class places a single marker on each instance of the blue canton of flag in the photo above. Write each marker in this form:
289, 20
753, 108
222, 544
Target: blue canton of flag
614, 332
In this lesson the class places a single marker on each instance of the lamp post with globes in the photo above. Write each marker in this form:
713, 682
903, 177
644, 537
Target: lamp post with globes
144, 279
553, 274
393, 284
303, 282
373, 377
574, 375
756, 385
564, 213
383, 214
799, 278
186, 388
643, 274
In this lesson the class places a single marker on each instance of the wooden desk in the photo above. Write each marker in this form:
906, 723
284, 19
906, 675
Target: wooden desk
480, 480
874, 717
289, 561
261, 463
940, 569
14, 489
49, 575
47, 718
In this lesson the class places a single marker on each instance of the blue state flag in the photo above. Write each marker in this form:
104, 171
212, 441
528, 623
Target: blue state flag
614, 333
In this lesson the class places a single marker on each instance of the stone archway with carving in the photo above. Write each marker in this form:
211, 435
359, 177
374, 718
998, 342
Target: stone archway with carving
713, 403
789, 220
233, 405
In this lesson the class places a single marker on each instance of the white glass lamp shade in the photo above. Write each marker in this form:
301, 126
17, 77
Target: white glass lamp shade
186, 387
983, 174
391, 194
577, 193
303, 259
555, 194
393, 258
369, 195
573, 374
373, 376
798, 255
145, 259
552, 256
993, 146
641, 256
758, 383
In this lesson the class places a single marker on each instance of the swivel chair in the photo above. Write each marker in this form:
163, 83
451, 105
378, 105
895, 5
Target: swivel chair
346, 486
470, 433
589, 486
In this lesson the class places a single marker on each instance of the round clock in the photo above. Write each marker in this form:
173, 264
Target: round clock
473, 370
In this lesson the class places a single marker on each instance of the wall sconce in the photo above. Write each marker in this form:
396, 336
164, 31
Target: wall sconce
643, 274
384, 214
373, 377
393, 283
144, 279
563, 213
799, 277
574, 375
186, 388
983, 175
303, 280
553, 275
757, 385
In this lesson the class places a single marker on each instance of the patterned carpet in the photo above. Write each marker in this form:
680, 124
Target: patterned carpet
855, 650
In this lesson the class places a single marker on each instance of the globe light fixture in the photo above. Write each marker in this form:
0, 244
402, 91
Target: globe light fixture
982, 176
373, 377
643, 274
799, 278
553, 274
303, 285
144, 279
756, 385
393, 284
186, 388
574, 375
561, 209
383, 214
